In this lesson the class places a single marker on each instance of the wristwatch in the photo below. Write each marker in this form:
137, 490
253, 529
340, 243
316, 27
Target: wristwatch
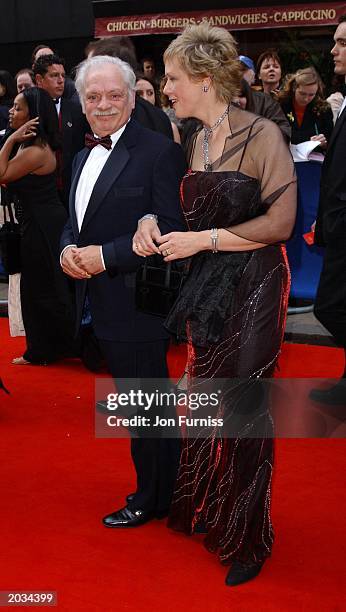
149, 216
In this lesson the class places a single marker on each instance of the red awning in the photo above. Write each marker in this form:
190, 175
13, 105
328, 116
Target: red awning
231, 19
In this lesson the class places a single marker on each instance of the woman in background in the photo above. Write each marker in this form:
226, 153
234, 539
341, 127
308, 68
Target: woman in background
269, 71
302, 101
146, 88
27, 165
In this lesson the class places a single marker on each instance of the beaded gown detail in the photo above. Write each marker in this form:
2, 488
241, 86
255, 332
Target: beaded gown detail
46, 301
232, 311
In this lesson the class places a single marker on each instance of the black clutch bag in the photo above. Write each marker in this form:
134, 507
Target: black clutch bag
10, 241
158, 285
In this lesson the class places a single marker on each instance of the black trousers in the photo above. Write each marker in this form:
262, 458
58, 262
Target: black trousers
156, 459
330, 303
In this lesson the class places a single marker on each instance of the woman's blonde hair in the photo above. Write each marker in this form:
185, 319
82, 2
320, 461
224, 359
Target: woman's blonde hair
304, 77
206, 51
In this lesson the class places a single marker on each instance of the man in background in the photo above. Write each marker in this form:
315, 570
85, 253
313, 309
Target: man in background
330, 232
49, 71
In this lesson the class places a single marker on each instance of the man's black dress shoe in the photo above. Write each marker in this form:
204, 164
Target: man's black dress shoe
240, 573
334, 396
127, 518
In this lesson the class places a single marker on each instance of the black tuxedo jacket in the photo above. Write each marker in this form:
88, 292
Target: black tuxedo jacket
152, 117
142, 175
74, 126
331, 218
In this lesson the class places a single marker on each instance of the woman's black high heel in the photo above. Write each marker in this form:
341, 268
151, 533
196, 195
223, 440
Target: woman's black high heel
240, 573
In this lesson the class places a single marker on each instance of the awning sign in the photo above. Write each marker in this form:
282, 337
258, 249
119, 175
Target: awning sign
231, 19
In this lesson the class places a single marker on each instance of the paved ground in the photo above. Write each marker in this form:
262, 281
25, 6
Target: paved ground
3, 291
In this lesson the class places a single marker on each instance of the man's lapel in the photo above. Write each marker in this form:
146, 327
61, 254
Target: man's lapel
336, 131
113, 167
80, 161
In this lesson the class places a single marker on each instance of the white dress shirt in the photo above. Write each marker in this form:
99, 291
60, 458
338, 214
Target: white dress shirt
88, 177
57, 105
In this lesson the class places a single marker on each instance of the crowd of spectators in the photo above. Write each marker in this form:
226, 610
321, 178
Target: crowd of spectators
90, 205
296, 102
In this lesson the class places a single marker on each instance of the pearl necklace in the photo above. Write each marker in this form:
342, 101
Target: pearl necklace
207, 134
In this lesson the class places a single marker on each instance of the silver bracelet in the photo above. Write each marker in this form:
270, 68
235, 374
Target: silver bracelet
149, 216
214, 236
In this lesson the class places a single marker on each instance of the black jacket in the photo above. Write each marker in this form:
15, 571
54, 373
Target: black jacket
73, 127
142, 175
152, 117
331, 218
313, 122
264, 105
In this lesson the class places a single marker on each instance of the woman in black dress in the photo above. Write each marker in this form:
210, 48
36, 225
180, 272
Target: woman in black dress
239, 201
27, 166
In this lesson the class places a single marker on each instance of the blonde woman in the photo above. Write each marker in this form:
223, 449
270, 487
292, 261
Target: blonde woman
239, 200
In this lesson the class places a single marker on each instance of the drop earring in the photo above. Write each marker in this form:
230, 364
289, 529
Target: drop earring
205, 88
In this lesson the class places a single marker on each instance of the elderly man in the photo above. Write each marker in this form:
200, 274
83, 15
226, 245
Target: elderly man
330, 304
126, 172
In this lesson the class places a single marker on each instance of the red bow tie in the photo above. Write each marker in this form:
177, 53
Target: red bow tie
91, 141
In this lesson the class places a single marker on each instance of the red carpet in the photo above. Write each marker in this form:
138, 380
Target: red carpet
57, 481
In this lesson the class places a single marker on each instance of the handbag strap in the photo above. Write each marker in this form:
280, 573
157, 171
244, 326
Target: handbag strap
167, 273
7, 206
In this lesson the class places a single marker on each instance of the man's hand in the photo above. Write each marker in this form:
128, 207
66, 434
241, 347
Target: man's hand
89, 259
69, 265
143, 240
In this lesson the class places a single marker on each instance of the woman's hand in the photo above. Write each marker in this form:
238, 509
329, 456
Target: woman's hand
178, 245
143, 240
26, 131
322, 139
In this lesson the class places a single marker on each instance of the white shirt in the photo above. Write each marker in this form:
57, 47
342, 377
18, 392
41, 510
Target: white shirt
88, 177
58, 106
90, 173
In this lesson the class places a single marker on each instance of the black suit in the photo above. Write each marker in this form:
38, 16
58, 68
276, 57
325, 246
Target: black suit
73, 127
330, 304
152, 117
141, 175
313, 122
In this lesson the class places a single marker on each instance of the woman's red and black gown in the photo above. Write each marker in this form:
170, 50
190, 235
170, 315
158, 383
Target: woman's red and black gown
232, 312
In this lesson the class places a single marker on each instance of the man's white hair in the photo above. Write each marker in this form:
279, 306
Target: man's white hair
98, 61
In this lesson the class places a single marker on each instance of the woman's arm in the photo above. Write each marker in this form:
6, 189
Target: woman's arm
27, 160
271, 162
